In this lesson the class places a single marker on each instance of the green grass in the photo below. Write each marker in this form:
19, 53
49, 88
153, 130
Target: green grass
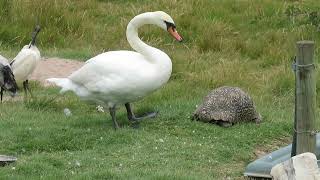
237, 43
49, 144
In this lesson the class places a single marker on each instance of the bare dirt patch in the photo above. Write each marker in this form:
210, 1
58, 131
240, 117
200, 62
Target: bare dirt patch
54, 67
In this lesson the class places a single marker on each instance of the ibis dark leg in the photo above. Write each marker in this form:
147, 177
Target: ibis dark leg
113, 116
132, 117
26, 88
1, 93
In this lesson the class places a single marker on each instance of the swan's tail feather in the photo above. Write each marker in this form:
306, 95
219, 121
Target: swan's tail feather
65, 83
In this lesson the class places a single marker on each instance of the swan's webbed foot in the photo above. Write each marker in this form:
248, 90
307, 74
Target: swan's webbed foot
146, 116
135, 119
113, 116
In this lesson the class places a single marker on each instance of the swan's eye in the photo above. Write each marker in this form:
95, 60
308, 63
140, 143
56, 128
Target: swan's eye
169, 24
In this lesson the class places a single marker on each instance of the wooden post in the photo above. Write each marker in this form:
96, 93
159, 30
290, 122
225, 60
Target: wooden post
305, 98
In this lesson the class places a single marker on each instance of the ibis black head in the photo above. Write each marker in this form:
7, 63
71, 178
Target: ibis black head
34, 35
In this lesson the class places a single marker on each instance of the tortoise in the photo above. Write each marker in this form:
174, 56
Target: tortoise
226, 106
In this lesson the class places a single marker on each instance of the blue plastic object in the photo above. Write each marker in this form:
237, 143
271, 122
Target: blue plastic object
262, 167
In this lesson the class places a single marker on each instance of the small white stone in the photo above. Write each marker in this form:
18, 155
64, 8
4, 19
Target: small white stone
161, 140
13, 168
78, 164
67, 112
100, 108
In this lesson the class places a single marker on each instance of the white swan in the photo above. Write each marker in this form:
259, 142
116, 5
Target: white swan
7, 80
26, 61
121, 77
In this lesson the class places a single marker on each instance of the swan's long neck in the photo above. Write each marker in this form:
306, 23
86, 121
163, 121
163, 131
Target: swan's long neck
137, 44
161, 61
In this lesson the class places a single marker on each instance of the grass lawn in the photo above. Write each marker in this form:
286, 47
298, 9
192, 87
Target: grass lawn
237, 43
85, 145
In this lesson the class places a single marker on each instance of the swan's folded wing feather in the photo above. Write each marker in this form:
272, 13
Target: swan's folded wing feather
112, 73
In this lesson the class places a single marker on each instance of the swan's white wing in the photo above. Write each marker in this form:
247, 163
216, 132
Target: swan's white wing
116, 75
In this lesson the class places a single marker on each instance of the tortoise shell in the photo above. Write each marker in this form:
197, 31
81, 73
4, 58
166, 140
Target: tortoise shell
226, 106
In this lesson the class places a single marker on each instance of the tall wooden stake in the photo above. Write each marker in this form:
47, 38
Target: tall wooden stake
305, 104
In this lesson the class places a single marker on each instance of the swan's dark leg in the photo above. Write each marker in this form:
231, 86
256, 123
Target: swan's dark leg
113, 116
1, 93
132, 117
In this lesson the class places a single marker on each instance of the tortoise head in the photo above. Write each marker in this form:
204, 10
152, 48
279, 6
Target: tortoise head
201, 114
258, 118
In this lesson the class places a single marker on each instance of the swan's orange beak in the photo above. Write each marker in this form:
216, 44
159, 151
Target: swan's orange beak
174, 33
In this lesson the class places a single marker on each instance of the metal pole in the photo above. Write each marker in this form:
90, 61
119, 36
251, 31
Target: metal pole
294, 139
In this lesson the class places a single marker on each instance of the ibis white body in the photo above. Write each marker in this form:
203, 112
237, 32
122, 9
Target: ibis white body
25, 62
